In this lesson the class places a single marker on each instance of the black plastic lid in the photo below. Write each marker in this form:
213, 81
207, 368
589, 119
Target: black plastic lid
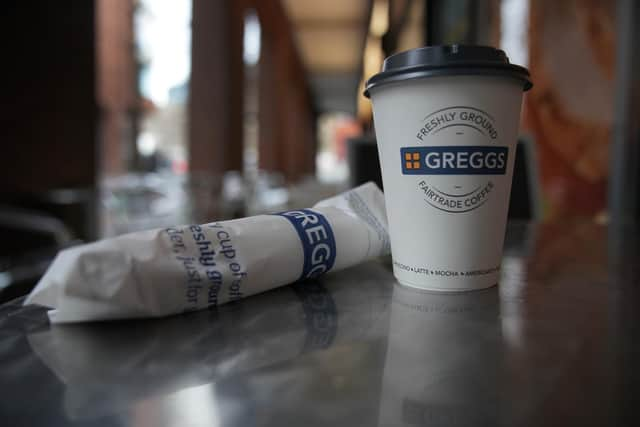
447, 60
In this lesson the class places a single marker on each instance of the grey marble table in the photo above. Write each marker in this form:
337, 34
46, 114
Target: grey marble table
556, 343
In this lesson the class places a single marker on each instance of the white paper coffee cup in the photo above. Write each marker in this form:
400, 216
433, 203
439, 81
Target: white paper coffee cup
446, 122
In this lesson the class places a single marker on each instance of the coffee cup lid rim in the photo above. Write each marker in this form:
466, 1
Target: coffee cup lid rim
447, 60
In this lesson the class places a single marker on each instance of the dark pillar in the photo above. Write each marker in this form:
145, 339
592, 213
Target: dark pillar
216, 88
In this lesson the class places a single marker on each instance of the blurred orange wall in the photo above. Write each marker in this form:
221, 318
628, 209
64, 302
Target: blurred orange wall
570, 109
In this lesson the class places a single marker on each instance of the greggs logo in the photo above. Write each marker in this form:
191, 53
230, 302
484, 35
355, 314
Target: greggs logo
317, 239
454, 160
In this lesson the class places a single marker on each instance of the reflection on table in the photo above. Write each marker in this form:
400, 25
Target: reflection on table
555, 342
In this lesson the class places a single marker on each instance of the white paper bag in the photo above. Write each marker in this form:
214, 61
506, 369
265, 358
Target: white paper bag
185, 268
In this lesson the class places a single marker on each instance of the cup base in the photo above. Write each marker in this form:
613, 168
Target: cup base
443, 289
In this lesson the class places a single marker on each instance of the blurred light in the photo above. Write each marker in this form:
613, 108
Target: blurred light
194, 406
371, 64
252, 39
513, 280
514, 23
379, 18
364, 105
373, 57
146, 144
5, 279
163, 39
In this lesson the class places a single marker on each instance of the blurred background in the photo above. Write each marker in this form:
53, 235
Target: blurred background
121, 115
